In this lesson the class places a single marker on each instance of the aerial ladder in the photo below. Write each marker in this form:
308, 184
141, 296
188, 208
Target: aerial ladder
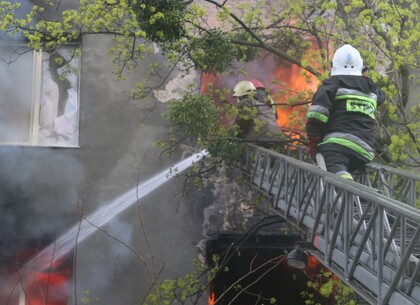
365, 231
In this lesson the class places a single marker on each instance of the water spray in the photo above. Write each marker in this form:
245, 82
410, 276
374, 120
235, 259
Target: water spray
88, 225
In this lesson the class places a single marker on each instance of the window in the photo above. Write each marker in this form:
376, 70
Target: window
39, 97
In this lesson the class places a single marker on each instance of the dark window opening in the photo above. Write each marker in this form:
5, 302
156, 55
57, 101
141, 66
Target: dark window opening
257, 272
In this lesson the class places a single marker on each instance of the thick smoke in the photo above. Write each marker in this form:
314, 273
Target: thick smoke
262, 68
13, 117
39, 191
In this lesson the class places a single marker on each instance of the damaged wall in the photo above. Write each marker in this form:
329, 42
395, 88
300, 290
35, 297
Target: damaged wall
46, 191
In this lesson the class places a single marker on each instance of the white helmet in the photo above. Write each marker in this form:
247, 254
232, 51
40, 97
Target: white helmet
244, 88
347, 61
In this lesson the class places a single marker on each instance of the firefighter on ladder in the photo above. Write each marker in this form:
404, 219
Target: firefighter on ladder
256, 119
341, 119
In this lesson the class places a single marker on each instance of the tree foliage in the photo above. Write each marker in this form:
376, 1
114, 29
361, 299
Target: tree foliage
209, 35
330, 288
187, 116
162, 20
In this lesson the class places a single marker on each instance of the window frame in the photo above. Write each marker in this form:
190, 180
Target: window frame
38, 72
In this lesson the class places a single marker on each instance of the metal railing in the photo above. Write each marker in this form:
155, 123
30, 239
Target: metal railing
348, 223
391, 182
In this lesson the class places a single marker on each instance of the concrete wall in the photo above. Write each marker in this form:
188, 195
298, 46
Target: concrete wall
46, 191
117, 138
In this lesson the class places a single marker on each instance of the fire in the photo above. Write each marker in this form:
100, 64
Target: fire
207, 79
313, 266
50, 287
285, 82
288, 83
33, 285
211, 299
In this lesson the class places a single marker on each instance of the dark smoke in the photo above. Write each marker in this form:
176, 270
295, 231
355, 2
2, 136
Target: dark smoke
39, 191
262, 68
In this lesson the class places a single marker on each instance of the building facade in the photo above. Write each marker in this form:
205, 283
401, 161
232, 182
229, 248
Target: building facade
85, 155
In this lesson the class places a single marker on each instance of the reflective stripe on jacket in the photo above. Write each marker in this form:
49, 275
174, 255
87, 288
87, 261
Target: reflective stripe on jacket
343, 112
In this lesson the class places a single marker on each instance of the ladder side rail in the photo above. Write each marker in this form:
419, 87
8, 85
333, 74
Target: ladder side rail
394, 171
386, 204
396, 183
289, 180
385, 177
398, 279
401, 269
380, 250
296, 173
331, 246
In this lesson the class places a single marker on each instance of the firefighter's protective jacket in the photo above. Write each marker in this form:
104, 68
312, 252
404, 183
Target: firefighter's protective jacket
343, 112
261, 124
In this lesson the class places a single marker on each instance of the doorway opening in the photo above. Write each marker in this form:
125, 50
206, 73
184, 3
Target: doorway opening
256, 271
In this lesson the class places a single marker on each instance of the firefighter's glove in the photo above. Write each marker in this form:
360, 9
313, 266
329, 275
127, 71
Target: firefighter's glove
313, 146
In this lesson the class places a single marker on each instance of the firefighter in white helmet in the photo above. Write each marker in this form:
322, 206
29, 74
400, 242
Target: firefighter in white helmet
341, 119
256, 119
244, 88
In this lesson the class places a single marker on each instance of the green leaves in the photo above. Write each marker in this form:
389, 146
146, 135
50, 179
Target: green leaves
195, 115
212, 52
324, 288
211, 38
178, 290
163, 20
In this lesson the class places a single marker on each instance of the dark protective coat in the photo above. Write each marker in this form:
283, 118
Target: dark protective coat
343, 112
261, 127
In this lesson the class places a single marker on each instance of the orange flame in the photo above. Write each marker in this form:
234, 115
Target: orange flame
207, 79
38, 287
211, 299
289, 117
313, 266
284, 80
